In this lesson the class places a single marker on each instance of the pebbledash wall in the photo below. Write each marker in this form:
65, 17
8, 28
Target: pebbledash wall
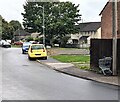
106, 21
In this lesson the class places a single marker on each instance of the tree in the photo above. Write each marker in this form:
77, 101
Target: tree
29, 39
8, 29
15, 25
66, 17
60, 19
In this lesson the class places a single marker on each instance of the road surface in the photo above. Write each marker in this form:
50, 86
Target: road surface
29, 80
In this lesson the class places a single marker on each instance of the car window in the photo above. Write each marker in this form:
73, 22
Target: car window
36, 47
26, 45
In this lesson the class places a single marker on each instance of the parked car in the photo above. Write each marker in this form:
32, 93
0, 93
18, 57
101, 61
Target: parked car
18, 43
25, 47
5, 44
37, 51
34, 42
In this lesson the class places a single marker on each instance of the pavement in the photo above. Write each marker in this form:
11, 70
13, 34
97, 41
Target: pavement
70, 69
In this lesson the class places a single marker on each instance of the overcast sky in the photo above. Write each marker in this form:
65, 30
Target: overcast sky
90, 9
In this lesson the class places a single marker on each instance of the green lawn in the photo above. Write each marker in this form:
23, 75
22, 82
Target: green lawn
16, 46
72, 58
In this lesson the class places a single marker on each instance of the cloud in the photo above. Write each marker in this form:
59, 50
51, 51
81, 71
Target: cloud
90, 9
11, 10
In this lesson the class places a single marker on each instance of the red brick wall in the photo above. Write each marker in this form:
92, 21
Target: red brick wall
106, 22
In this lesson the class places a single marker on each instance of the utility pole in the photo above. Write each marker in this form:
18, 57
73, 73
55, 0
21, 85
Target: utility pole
43, 26
114, 31
0, 27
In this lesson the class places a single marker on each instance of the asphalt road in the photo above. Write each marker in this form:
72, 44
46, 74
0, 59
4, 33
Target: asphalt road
28, 80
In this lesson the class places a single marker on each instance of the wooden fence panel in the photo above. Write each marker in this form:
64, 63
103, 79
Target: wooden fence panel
101, 48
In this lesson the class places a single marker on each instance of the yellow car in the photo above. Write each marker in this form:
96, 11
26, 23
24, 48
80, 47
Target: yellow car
37, 51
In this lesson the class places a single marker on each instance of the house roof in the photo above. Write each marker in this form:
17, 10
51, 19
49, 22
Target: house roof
21, 33
104, 8
89, 26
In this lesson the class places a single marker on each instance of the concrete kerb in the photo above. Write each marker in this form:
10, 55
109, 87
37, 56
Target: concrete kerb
64, 72
83, 77
45, 64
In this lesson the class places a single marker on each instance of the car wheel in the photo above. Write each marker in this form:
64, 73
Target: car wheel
29, 57
45, 58
23, 52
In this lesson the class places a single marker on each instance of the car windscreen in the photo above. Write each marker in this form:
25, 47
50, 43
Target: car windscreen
37, 47
26, 45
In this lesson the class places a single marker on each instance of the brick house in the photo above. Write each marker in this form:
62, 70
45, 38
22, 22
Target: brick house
104, 46
106, 21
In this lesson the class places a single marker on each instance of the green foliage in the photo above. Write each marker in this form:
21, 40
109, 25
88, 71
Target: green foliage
60, 19
0, 27
84, 66
29, 39
37, 39
8, 29
40, 40
64, 40
15, 25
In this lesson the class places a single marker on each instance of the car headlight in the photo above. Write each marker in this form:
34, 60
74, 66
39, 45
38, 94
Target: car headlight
24, 48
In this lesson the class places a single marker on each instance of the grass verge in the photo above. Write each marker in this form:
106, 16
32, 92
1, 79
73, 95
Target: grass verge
80, 61
72, 58
16, 46
82, 66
